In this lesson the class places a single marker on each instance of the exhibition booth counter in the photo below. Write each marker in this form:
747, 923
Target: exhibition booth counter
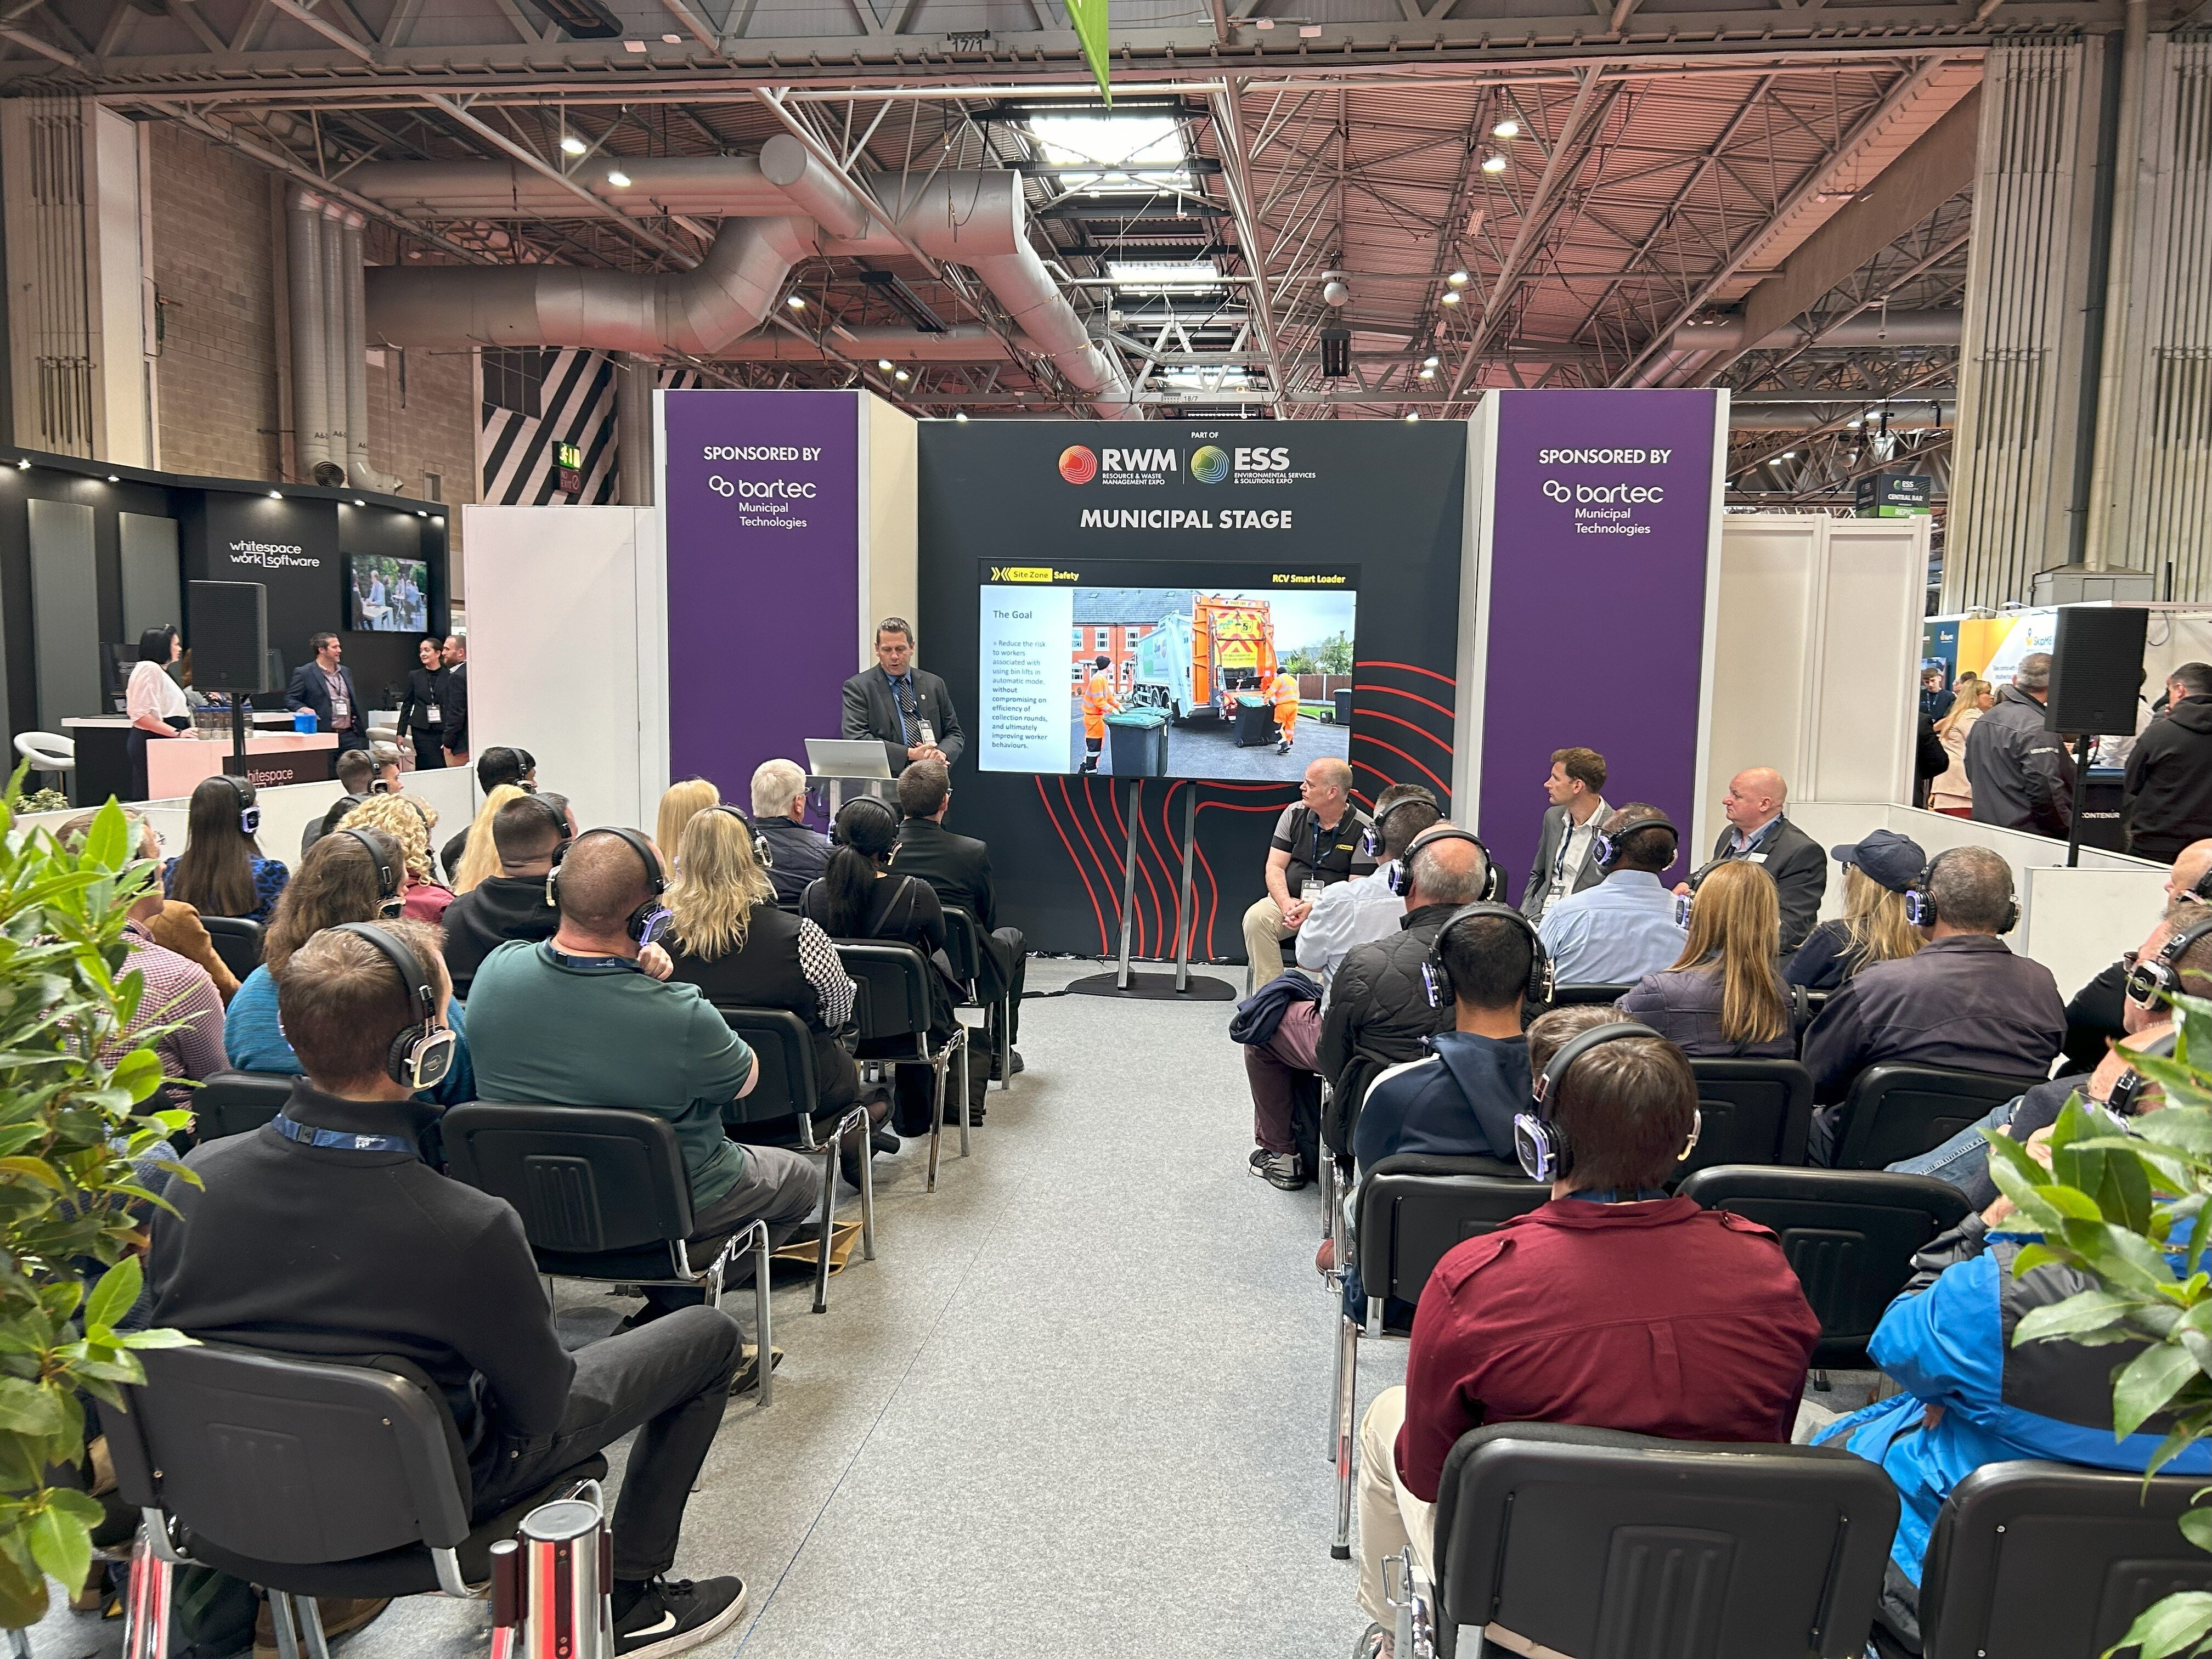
276, 755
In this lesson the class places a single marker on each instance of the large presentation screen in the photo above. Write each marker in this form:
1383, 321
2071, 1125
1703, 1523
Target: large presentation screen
1228, 672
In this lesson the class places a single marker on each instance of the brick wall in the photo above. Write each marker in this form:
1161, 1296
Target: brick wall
212, 268
430, 427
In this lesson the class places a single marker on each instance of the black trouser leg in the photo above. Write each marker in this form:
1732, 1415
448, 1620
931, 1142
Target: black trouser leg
671, 1380
429, 758
1007, 949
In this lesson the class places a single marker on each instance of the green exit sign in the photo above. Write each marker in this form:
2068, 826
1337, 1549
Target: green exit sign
568, 455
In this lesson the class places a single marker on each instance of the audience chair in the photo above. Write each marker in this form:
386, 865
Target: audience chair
787, 1088
964, 946
1411, 1210
1567, 996
2034, 1559
892, 1013
237, 941
1551, 1538
1750, 1111
1897, 1112
306, 1478
603, 1196
238, 1103
1849, 1234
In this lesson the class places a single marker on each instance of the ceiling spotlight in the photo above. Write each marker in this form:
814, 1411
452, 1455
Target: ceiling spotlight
1494, 162
961, 416
1335, 293
1854, 425
1458, 279
357, 501
24, 464
571, 145
113, 478
884, 364
1308, 31
274, 494
796, 302
671, 39
1430, 363
1508, 128
1263, 23
632, 45
899, 374
1450, 296
1411, 417
1428, 374
421, 512
618, 179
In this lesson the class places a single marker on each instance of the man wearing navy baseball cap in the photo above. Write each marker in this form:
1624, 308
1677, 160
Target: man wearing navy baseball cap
1878, 873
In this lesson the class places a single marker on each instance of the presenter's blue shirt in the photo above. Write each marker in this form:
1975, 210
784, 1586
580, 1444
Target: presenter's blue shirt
1613, 933
254, 1041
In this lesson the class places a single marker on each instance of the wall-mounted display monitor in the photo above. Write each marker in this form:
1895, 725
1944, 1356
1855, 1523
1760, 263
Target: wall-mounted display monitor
385, 595
1225, 671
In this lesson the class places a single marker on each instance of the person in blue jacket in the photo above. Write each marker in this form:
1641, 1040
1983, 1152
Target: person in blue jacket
1970, 1397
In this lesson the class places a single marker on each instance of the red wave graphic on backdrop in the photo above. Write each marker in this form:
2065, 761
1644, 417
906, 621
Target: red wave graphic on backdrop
1159, 862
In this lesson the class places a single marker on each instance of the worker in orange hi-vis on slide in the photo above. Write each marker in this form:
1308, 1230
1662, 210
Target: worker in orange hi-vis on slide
1098, 702
1284, 693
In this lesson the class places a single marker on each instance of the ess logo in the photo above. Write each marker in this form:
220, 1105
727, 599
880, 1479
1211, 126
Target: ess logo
1210, 464
1078, 464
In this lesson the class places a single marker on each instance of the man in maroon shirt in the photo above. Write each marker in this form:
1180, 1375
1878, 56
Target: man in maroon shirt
1612, 1305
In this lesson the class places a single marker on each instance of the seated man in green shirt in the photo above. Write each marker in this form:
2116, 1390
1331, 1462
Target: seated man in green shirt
579, 1020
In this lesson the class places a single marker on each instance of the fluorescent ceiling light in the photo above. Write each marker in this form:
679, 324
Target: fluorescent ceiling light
1494, 163
618, 179
571, 145
1205, 380
1165, 276
1153, 143
1506, 129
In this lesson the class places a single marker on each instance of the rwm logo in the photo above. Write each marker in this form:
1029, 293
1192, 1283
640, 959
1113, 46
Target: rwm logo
1078, 464
1137, 460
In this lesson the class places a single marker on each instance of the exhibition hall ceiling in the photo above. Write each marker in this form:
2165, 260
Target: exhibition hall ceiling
1483, 193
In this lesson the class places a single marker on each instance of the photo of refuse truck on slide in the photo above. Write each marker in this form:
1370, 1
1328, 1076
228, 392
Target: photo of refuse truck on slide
1201, 684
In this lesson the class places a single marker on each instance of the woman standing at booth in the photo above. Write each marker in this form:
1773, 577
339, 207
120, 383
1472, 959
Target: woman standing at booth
421, 715
155, 703
1950, 792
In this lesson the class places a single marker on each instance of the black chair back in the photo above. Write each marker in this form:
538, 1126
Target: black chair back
964, 947
587, 1181
1750, 1111
787, 1085
1850, 1235
1568, 996
1414, 1209
289, 1460
1897, 1112
238, 1103
236, 940
1610, 1545
894, 989
2035, 1558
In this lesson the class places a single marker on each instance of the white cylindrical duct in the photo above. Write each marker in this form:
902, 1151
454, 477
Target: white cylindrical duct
714, 186
814, 189
334, 293
1904, 415
303, 218
354, 344
1868, 328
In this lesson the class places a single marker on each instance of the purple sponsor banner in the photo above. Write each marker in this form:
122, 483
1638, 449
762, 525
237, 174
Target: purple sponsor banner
1603, 527
761, 491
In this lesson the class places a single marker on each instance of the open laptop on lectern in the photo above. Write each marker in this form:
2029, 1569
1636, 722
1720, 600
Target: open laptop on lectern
847, 757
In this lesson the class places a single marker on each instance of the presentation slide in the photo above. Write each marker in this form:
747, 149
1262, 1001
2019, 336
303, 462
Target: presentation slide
1227, 671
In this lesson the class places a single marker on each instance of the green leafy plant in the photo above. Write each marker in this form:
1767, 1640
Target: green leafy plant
70, 1204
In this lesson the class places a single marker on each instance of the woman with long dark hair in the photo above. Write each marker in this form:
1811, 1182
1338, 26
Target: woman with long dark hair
1724, 998
156, 703
221, 871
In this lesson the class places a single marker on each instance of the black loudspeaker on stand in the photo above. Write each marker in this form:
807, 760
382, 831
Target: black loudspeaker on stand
230, 647
1158, 988
2096, 681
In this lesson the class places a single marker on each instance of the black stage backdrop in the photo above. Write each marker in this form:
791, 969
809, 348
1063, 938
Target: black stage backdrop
1388, 497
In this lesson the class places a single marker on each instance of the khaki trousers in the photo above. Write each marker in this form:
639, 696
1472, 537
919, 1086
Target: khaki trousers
1264, 935
1390, 1517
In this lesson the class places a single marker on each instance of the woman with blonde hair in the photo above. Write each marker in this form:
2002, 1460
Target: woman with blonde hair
731, 940
408, 820
1878, 873
1949, 791
1723, 997
679, 803
480, 857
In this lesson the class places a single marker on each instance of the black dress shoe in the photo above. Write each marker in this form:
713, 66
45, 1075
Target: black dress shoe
999, 1076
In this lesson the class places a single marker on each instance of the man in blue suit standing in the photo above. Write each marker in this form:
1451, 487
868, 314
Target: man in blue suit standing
327, 688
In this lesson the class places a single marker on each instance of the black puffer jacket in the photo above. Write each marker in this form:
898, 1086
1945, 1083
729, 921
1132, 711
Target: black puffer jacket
1378, 1013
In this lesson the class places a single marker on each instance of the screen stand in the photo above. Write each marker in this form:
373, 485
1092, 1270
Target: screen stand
1156, 987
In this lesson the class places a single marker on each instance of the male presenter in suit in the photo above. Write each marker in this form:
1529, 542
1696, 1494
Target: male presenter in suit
905, 708
1758, 834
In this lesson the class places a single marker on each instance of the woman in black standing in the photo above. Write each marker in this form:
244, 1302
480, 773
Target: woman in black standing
422, 714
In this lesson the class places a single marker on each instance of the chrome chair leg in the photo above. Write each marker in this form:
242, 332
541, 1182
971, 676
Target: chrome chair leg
829, 1225
936, 1123
311, 1643
1002, 1050
288, 1634
966, 1082
763, 1336
1347, 1394
867, 1189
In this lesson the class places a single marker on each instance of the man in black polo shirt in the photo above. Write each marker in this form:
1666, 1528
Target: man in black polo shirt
1316, 841
324, 1236
512, 904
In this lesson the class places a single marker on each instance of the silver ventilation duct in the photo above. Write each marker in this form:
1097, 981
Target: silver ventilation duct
776, 209
311, 437
330, 368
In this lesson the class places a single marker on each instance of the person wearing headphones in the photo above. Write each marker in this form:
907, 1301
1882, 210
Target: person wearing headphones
1566, 850
528, 833
1724, 998
2096, 1014
1625, 926
408, 820
1367, 908
585, 1018
325, 1236
1964, 999
1558, 1316
1379, 1014
223, 871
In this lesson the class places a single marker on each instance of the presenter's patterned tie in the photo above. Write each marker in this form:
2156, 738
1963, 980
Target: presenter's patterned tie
898, 704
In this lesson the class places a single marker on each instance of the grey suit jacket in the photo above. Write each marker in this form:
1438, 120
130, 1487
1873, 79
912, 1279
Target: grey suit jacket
870, 712
1547, 848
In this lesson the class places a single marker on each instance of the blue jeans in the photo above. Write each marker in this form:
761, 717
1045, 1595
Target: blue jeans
1964, 1156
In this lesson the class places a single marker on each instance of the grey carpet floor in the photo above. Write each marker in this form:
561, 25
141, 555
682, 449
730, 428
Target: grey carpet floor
1077, 1406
